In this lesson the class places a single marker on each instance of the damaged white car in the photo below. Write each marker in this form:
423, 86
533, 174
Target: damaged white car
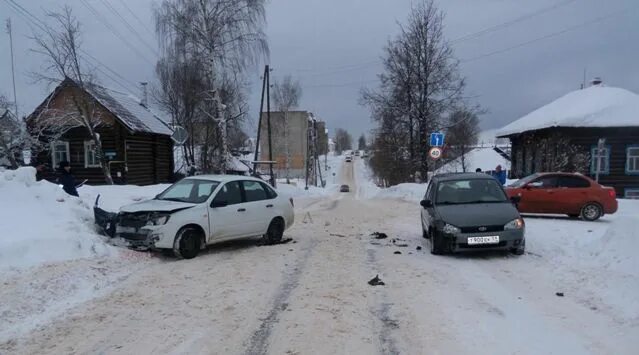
201, 210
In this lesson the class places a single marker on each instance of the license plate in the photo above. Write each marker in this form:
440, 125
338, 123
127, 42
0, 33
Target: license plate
121, 229
483, 240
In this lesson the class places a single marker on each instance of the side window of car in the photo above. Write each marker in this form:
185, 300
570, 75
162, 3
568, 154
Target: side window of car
573, 182
254, 191
269, 191
546, 182
230, 193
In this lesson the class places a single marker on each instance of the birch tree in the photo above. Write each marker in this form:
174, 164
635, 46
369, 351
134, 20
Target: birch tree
286, 96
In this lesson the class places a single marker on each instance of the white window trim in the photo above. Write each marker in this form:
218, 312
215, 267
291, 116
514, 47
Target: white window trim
628, 157
86, 156
55, 163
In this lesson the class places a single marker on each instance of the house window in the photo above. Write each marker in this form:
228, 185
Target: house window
632, 160
91, 159
604, 160
632, 193
59, 153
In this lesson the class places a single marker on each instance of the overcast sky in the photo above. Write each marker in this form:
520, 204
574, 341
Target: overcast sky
334, 46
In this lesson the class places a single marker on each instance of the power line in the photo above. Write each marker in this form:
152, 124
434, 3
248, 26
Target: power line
113, 30
128, 25
136, 17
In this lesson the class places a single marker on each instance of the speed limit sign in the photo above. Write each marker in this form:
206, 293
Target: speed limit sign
435, 153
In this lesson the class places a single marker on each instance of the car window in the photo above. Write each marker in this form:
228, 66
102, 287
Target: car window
254, 191
545, 182
230, 193
189, 190
469, 191
524, 181
269, 191
573, 182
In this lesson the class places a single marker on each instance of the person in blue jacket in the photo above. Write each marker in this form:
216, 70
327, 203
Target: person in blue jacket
500, 175
66, 179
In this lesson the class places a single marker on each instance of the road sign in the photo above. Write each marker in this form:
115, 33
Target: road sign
435, 153
436, 139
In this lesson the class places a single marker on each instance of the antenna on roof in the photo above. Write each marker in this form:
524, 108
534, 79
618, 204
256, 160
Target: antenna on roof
145, 95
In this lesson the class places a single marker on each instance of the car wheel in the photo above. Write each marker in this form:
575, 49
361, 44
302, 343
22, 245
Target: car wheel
591, 212
187, 243
520, 250
436, 244
275, 231
424, 232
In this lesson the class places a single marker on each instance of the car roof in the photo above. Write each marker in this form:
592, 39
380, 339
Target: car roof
461, 176
224, 178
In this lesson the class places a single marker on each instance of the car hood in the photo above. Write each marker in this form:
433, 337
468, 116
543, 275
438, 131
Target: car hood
477, 214
156, 206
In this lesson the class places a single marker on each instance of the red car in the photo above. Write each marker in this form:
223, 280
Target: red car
563, 193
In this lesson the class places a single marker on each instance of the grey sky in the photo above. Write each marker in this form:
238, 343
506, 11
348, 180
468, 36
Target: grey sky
334, 46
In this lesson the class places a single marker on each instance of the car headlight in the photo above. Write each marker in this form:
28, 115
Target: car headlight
158, 220
450, 229
515, 224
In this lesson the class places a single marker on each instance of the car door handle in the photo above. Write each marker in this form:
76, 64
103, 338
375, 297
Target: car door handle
242, 210
269, 206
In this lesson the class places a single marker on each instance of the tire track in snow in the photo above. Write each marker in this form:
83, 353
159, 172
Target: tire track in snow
382, 315
260, 339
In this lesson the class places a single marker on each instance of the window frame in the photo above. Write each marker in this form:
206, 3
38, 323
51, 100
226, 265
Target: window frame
561, 177
542, 177
241, 190
245, 197
87, 144
632, 189
54, 162
628, 171
606, 170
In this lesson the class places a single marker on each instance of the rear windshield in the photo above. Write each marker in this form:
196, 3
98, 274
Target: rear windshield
469, 191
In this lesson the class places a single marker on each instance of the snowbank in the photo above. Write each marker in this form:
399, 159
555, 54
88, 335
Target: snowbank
407, 192
112, 197
366, 189
40, 223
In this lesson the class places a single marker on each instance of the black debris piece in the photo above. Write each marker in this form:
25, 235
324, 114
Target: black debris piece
397, 252
338, 235
379, 235
559, 294
418, 248
376, 281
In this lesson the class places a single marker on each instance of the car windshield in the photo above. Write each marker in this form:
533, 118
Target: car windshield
189, 190
524, 181
469, 191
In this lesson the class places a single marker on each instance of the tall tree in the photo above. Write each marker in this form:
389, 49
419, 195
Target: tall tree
286, 95
208, 46
10, 140
419, 85
61, 46
343, 141
361, 143
462, 134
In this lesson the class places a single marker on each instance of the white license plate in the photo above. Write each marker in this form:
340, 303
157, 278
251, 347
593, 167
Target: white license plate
121, 229
483, 240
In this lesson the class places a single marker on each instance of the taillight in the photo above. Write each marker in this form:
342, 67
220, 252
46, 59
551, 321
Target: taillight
292, 204
612, 193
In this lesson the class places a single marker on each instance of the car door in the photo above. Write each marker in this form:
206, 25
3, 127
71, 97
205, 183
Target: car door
572, 194
227, 215
539, 195
427, 213
260, 208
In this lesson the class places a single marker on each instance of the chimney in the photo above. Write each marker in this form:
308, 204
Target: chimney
145, 95
596, 81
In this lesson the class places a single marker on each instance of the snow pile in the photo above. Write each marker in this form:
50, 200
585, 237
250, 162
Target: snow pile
484, 158
596, 106
366, 189
40, 223
407, 192
112, 197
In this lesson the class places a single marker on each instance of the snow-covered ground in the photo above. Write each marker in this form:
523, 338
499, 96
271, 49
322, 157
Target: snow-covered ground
311, 295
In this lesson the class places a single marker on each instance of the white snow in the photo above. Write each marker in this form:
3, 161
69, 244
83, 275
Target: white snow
596, 106
488, 138
484, 158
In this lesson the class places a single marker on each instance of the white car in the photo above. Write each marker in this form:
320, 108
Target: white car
201, 210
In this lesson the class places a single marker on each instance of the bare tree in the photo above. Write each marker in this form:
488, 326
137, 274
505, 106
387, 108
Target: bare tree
208, 45
343, 141
286, 95
462, 135
61, 45
419, 85
10, 133
361, 143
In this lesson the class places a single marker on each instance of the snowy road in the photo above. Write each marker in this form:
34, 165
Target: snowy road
312, 296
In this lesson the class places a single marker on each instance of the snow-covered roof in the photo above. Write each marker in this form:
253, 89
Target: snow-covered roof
595, 106
486, 159
130, 111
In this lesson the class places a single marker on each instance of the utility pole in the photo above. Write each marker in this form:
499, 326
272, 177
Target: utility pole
13, 69
268, 122
259, 125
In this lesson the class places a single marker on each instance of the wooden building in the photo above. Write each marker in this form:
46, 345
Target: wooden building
136, 142
564, 136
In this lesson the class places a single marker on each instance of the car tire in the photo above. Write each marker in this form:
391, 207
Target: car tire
436, 244
425, 233
187, 243
275, 231
520, 250
591, 212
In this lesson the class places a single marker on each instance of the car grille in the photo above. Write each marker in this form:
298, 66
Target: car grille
135, 220
486, 230
132, 236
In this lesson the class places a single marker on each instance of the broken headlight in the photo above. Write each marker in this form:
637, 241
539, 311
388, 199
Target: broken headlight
158, 219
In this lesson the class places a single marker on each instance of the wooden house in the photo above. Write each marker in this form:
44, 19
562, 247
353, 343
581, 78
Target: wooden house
135, 141
564, 136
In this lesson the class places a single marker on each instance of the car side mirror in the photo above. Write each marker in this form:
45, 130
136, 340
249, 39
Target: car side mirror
426, 203
217, 204
515, 199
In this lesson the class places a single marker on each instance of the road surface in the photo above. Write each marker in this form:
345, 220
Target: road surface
311, 296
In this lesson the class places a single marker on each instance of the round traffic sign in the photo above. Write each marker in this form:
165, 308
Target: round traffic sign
435, 153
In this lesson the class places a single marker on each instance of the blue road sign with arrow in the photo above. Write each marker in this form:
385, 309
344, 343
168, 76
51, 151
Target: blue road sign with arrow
436, 139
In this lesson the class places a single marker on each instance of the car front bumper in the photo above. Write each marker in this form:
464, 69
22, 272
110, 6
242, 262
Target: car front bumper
147, 237
508, 240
